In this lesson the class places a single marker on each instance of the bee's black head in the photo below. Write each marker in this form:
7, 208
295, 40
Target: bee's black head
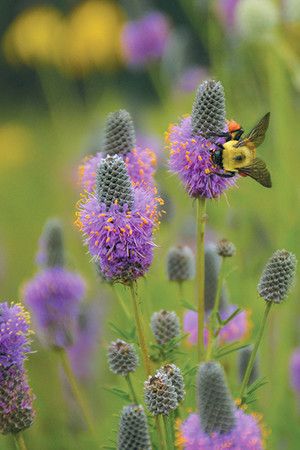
217, 158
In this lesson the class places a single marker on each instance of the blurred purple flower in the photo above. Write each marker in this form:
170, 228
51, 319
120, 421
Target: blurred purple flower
54, 296
87, 337
120, 239
191, 78
246, 434
236, 330
295, 370
190, 158
227, 9
145, 39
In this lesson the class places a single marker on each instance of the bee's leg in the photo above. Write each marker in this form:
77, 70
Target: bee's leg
225, 174
226, 135
238, 134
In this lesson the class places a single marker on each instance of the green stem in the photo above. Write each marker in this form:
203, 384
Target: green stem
139, 326
254, 351
19, 441
213, 321
156, 80
180, 290
131, 389
162, 443
82, 403
170, 442
200, 272
121, 301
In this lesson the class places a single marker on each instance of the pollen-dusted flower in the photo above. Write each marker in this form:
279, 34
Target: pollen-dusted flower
117, 223
219, 424
295, 370
278, 276
16, 398
175, 376
144, 40
180, 264
122, 358
165, 326
235, 330
120, 139
54, 297
133, 429
190, 146
160, 394
243, 360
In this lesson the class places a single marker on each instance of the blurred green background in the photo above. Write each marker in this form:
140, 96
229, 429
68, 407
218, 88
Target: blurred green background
61, 72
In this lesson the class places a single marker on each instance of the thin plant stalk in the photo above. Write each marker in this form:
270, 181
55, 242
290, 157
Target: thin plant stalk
156, 80
213, 315
170, 441
80, 398
139, 326
121, 301
254, 351
162, 442
200, 272
131, 389
180, 290
19, 441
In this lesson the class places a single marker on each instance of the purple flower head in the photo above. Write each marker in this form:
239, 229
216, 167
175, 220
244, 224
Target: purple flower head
140, 163
295, 370
85, 345
54, 296
120, 239
190, 158
246, 434
191, 77
227, 9
145, 40
14, 334
236, 330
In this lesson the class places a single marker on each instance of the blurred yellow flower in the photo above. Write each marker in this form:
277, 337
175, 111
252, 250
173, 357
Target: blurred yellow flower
34, 36
92, 37
15, 144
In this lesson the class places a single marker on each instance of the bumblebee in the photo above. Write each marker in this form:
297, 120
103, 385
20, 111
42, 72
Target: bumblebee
238, 154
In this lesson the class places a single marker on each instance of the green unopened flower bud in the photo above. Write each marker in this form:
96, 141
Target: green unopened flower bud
208, 114
165, 326
216, 406
225, 248
133, 429
278, 276
180, 264
54, 244
244, 357
175, 376
160, 394
113, 183
122, 358
119, 133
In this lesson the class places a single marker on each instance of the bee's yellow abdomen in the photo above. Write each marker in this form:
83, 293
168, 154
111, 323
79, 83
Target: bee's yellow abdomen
236, 157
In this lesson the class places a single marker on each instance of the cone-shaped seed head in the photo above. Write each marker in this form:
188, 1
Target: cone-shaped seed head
133, 429
216, 406
175, 376
208, 114
113, 183
180, 264
122, 357
165, 326
160, 394
119, 133
212, 267
54, 244
278, 276
225, 248
244, 356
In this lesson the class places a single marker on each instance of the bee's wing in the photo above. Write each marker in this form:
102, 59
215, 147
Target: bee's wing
257, 134
258, 171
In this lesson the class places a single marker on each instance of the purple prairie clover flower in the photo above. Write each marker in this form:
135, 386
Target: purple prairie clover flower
295, 370
54, 297
140, 163
190, 158
227, 10
16, 398
245, 435
237, 329
145, 40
